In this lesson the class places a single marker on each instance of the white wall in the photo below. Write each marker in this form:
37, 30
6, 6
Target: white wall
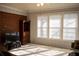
51, 42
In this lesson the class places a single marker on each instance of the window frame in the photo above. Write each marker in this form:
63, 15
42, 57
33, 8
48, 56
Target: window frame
61, 26
55, 27
76, 28
42, 27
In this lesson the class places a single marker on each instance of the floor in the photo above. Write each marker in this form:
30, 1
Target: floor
39, 50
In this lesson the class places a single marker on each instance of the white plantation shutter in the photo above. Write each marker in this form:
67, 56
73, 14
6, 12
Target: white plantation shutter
54, 26
42, 25
57, 26
69, 27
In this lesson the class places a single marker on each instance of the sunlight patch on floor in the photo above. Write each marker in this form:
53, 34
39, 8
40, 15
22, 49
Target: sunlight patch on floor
39, 50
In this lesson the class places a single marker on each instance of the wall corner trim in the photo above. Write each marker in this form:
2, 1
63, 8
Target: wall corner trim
12, 10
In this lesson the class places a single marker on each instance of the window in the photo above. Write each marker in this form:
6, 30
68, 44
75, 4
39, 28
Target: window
54, 26
69, 26
42, 25
51, 26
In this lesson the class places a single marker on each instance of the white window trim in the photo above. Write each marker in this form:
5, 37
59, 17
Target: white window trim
61, 29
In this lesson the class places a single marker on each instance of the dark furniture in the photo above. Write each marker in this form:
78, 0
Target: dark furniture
24, 31
12, 40
75, 47
6, 53
75, 53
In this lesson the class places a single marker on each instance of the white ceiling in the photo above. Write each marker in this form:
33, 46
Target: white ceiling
31, 7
